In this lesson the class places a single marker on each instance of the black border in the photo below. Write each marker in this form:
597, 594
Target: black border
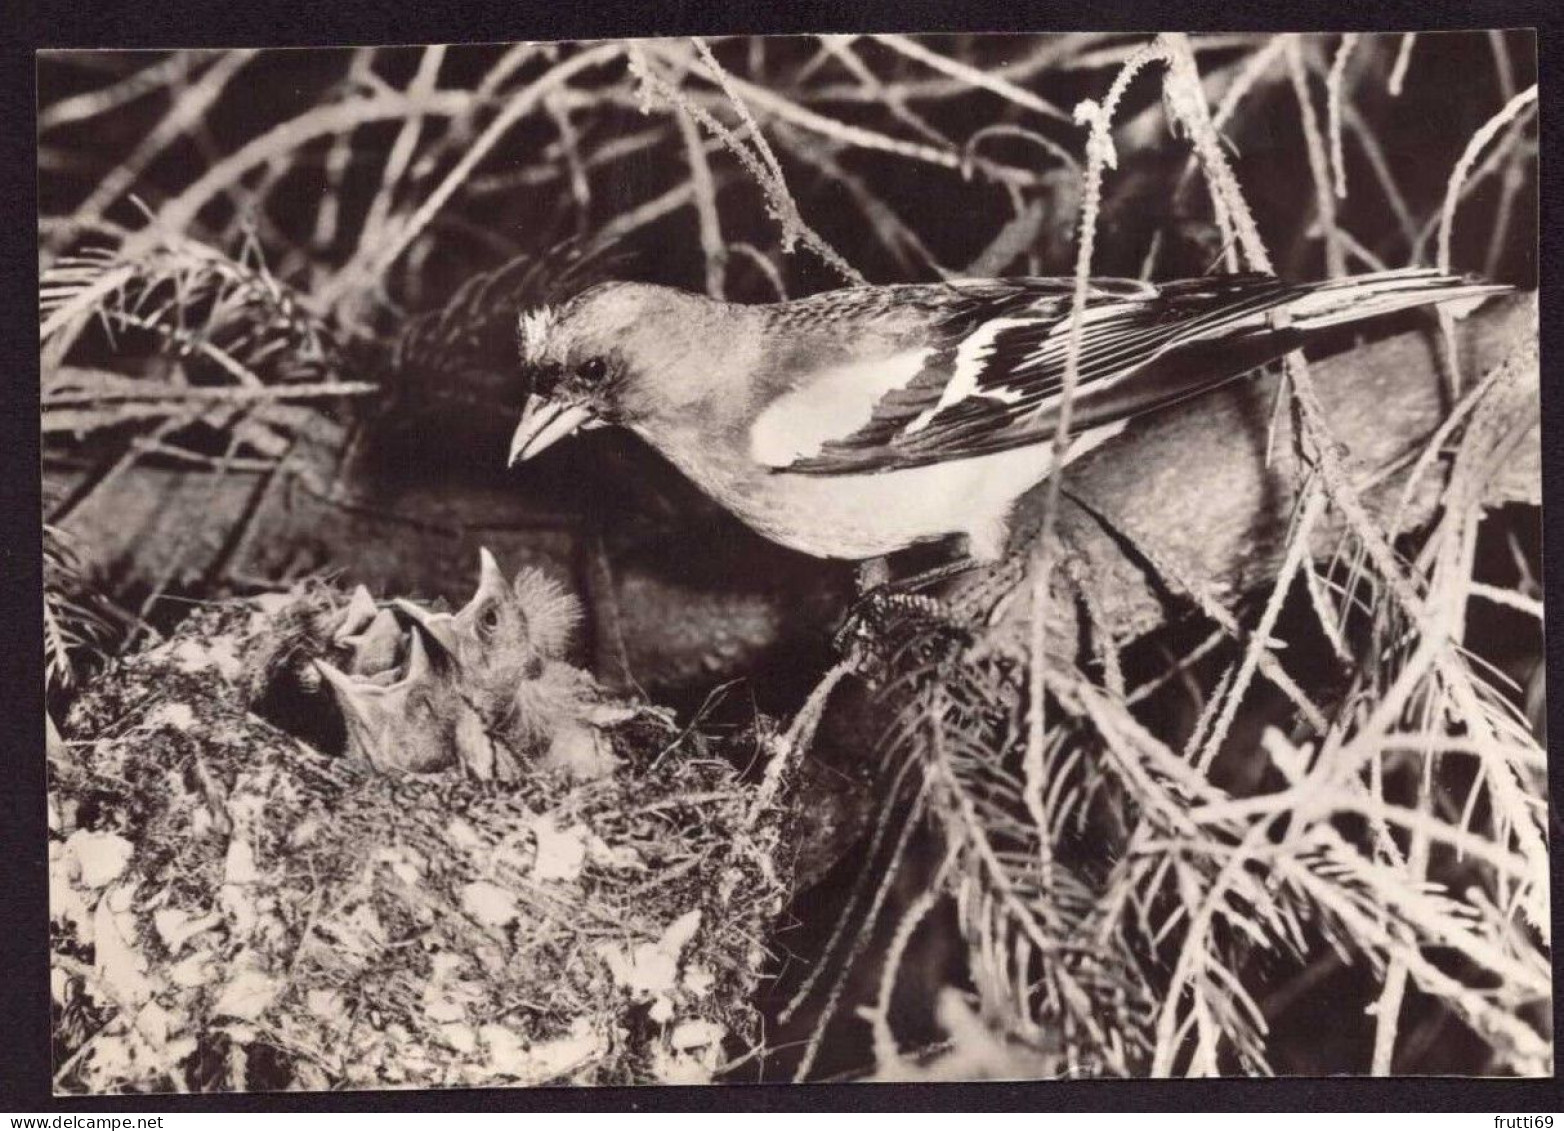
24, 1017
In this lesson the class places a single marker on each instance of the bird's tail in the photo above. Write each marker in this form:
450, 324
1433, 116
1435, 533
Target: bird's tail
1224, 327
1340, 301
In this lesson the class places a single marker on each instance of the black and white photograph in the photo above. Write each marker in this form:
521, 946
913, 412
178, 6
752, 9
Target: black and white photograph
755, 560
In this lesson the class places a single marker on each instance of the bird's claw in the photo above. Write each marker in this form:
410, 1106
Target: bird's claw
885, 625
876, 612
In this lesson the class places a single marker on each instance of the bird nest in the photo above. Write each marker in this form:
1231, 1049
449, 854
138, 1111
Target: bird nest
249, 902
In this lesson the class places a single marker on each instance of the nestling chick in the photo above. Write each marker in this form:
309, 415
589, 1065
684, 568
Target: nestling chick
406, 723
486, 687
855, 423
497, 638
520, 700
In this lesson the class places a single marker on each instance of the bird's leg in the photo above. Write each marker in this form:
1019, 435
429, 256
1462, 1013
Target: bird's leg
873, 574
882, 603
876, 588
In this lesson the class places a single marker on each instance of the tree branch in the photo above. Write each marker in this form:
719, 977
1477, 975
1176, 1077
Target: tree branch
1191, 491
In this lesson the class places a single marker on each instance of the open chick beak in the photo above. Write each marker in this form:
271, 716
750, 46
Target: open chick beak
544, 422
435, 629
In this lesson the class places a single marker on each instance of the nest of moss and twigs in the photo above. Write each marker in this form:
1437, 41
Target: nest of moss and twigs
235, 909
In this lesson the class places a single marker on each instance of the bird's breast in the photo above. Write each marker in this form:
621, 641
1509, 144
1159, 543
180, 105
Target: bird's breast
862, 515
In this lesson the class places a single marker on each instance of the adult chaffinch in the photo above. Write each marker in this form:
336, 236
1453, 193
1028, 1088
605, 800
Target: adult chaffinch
857, 422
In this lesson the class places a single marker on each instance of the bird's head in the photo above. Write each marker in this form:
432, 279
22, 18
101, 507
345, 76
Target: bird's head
506, 632
493, 643
617, 353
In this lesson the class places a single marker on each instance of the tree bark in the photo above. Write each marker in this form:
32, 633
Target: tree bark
1188, 500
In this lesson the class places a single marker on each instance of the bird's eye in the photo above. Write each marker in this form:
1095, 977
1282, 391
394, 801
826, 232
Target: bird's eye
593, 369
489, 619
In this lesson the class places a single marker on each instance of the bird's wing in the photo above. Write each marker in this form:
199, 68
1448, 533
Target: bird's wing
992, 378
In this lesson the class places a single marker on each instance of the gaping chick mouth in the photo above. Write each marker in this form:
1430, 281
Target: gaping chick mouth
543, 423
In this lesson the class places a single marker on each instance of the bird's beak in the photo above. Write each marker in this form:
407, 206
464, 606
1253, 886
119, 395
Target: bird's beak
490, 576
436, 626
543, 422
